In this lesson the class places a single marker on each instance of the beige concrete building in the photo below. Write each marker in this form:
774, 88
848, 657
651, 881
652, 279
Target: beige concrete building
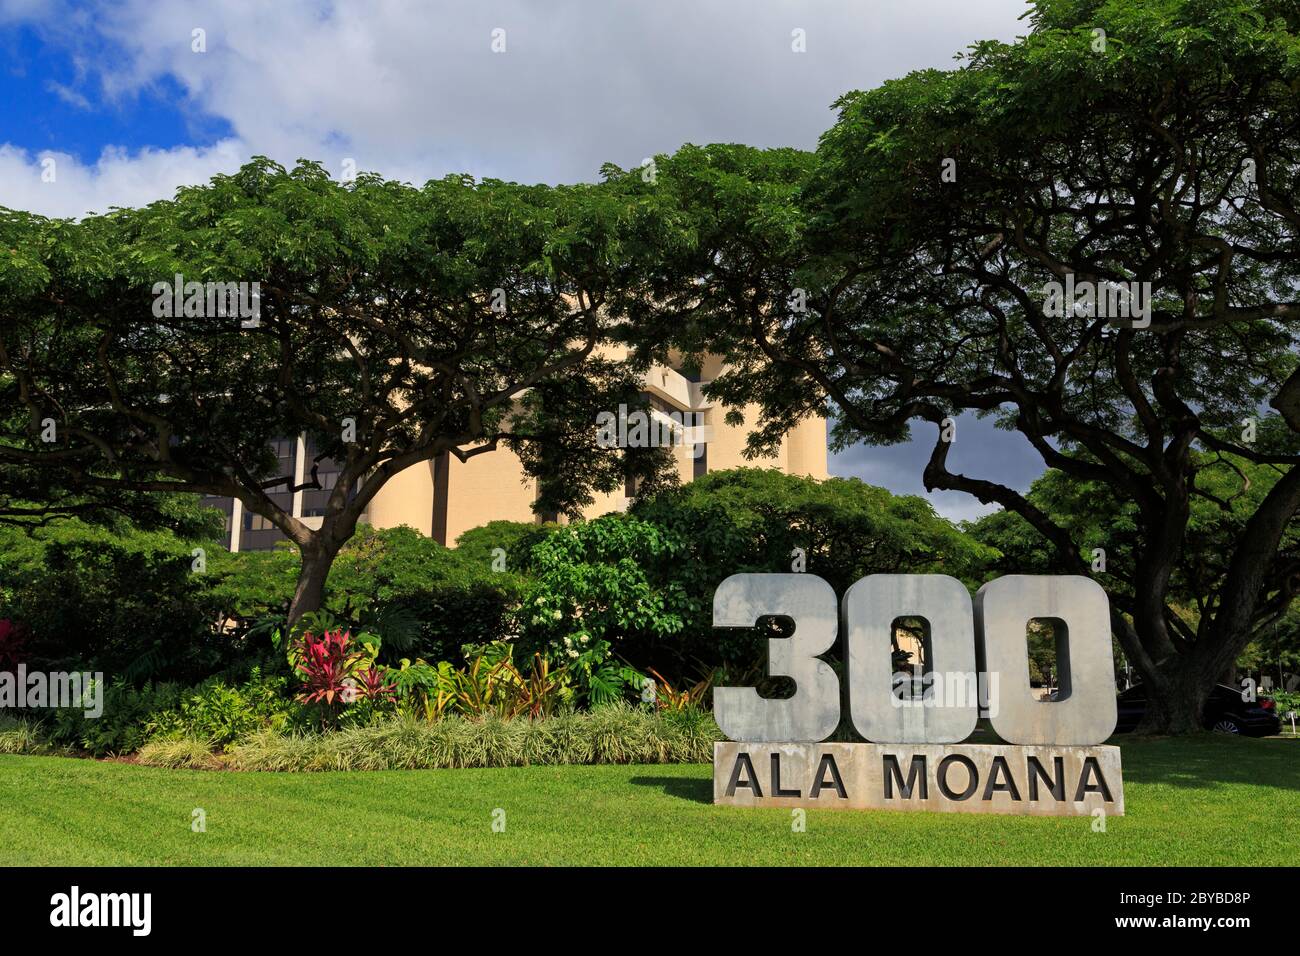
446, 497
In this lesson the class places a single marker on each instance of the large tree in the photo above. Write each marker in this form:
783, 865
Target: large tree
395, 324
1109, 530
902, 273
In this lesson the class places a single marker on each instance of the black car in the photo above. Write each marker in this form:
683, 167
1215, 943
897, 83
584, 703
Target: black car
1225, 712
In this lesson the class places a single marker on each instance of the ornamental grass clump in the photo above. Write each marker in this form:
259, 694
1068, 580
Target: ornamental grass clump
179, 753
19, 735
615, 733
274, 750
620, 734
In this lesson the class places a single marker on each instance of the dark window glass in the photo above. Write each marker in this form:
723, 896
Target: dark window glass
259, 533
315, 500
701, 464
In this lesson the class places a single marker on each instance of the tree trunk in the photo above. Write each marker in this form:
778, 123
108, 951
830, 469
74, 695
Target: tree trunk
1176, 699
309, 594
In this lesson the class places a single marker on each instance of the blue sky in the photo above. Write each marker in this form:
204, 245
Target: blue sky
46, 102
118, 96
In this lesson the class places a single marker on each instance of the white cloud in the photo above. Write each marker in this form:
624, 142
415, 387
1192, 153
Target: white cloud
117, 178
413, 89
68, 95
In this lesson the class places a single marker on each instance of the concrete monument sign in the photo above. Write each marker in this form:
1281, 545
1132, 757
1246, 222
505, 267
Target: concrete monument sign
814, 711
915, 758
971, 778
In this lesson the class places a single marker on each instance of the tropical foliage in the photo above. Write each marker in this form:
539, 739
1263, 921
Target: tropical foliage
903, 274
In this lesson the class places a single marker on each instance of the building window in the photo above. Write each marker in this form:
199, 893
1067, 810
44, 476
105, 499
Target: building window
258, 533
315, 500
285, 450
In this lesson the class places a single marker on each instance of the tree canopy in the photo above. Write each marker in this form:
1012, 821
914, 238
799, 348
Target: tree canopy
394, 324
905, 273
1090, 235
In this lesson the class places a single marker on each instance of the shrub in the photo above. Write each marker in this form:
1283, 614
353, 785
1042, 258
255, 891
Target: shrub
1283, 700
668, 697
545, 742
490, 683
495, 742
179, 753
337, 673
639, 586
117, 600
126, 601
611, 734
569, 739
123, 727
595, 583
221, 714
273, 750
696, 732
423, 689
477, 547
328, 668
620, 734
425, 599
214, 711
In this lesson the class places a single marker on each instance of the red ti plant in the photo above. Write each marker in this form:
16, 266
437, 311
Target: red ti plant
328, 669
372, 686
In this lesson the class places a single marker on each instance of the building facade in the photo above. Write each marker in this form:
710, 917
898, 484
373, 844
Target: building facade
446, 497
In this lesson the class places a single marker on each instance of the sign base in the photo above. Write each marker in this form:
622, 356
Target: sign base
948, 778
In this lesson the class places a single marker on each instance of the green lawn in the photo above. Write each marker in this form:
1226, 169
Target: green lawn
1207, 801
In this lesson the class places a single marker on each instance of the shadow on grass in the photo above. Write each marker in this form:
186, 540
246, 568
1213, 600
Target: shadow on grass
1201, 762
1208, 760
685, 788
